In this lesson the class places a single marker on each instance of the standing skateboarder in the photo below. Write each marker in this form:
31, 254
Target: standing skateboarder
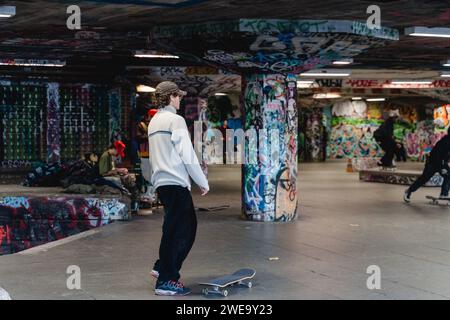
173, 159
437, 161
384, 136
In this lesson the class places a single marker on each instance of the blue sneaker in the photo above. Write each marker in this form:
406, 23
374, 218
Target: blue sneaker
171, 288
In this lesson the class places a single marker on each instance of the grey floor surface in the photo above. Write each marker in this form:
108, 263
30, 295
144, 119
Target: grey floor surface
344, 226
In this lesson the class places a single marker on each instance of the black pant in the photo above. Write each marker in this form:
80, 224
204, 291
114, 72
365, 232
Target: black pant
389, 147
428, 173
400, 154
179, 230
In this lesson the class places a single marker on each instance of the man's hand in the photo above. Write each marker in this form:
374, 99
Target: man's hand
204, 191
444, 172
122, 171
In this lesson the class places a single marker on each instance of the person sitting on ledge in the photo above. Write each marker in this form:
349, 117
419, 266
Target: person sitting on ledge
108, 170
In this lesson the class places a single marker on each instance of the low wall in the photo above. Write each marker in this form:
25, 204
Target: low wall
29, 221
397, 177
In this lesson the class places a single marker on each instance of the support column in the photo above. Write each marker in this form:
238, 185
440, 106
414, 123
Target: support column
269, 184
53, 124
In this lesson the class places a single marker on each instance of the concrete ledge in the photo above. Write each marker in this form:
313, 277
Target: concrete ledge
30, 221
364, 163
401, 177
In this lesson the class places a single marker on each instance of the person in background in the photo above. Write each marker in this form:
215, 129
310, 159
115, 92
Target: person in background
384, 136
437, 162
146, 168
400, 152
108, 170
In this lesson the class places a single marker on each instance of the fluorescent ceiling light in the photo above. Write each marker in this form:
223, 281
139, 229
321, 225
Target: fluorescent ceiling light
356, 98
220, 94
445, 74
32, 63
154, 55
446, 63
428, 32
376, 99
343, 61
326, 73
412, 82
326, 96
7, 11
144, 88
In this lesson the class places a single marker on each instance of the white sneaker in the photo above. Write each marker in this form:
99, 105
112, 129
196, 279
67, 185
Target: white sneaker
407, 196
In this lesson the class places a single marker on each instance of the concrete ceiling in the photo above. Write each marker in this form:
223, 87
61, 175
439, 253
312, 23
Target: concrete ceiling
113, 28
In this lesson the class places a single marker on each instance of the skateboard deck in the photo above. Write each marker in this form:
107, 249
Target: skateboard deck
219, 285
438, 201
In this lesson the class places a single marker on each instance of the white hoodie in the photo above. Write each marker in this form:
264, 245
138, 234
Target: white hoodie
172, 155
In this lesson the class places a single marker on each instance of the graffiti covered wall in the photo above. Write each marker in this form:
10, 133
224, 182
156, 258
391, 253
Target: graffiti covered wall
270, 189
354, 122
26, 222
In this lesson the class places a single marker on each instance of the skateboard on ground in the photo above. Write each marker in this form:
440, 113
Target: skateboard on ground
219, 285
437, 200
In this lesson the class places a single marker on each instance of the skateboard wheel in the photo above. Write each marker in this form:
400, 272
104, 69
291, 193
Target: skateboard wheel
225, 293
205, 292
249, 284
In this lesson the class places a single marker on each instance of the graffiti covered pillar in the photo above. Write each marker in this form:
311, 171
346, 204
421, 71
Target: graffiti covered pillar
269, 183
53, 124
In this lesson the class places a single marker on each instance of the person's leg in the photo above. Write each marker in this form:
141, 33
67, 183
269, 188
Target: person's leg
445, 184
384, 145
189, 230
428, 172
390, 152
173, 219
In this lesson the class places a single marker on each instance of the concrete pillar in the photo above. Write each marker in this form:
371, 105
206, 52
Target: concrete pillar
269, 183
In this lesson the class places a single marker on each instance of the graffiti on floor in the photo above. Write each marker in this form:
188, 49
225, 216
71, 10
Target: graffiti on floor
270, 192
26, 222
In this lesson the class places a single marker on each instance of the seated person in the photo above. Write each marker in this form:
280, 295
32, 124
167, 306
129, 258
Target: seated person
108, 170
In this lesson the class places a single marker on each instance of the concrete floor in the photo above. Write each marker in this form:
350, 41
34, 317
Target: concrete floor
344, 226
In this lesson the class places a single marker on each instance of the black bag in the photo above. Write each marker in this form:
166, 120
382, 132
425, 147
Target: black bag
378, 134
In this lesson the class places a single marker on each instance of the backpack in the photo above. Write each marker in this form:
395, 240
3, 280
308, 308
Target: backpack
378, 134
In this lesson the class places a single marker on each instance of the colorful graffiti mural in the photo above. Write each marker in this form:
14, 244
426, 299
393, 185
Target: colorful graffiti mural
354, 122
442, 117
270, 192
27, 222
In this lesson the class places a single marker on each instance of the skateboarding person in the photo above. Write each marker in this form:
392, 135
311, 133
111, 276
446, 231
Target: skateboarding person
384, 136
173, 160
437, 161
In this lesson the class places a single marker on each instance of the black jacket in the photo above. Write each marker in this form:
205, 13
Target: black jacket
440, 153
385, 131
